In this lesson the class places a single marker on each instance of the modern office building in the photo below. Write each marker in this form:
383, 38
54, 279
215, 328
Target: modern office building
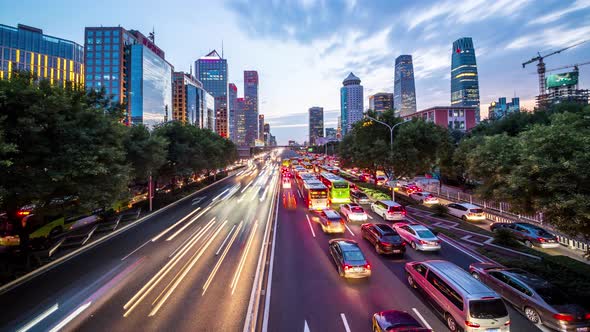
250, 106
451, 117
261, 127
501, 108
351, 102
212, 71
381, 102
208, 113
464, 77
185, 89
232, 102
240, 122
267, 135
404, 89
331, 133
25, 48
316, 124
132, 70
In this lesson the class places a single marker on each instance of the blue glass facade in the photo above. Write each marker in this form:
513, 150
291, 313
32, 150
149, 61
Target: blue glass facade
464, 77
27, 48
104, 60
250, 107
351, 102
404, 90
501, 108
211, 70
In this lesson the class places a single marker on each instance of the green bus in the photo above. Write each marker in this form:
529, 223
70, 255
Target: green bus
338, 188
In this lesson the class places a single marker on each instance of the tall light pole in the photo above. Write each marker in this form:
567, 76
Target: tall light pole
391, 128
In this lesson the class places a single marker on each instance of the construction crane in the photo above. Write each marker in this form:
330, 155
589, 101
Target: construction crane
575, 66
541, 65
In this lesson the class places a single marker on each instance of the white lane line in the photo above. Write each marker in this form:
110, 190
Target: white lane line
421, 318
185, 242
299, 192
176, 224
227, 237
234, 283
345, 225
368, 215
171, 237
345, 322
70, 317
131, 253
306, 327
246, 187
310, 227
39, 318
217, 197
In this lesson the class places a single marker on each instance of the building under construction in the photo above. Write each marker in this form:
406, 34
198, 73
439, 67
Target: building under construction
562, 88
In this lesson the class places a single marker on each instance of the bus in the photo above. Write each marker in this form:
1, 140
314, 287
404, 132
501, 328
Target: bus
339, 190
315, 195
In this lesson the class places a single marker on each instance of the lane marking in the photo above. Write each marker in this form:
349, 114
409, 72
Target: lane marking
238, 272
368, 215
70, 317
185, 242
227, 237
180, 230
264, 194
306, 327
345, 322
214, 271
345, 225
217, 197
421, 318
183, 272
299, 192
131, 253
309, 223
39, 318
246, 187
175, 224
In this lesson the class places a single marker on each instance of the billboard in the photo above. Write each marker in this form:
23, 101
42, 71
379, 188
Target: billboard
564, 79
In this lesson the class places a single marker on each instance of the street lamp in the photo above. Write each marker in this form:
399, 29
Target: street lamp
391, 128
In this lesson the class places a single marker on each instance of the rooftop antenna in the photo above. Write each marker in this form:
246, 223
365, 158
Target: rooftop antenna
222, 49
152, 35
191, 69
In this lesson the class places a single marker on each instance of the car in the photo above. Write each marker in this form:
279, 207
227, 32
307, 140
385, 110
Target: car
418, 236
528, 234
381, 180
384, 238
409, 188
359, 197
466, 211
540, 301
366, 177
286, 183
389, 210
424, 197
353, 212
349, 259
465, 303
331, 221
396, 321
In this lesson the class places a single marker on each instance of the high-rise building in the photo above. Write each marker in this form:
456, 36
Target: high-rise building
232, 102
351, 102
185, 99
251, 106
133, 70
267, 134
212, 72
240, 122
381, 102
26, 48
316, 124
261, 127
404, 89
331, 133
464, 78
501, 108
339, 128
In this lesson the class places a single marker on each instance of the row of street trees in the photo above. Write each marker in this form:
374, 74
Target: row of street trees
536, 161
64, 143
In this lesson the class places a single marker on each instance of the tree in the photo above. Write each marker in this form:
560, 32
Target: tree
146, 153
66, 145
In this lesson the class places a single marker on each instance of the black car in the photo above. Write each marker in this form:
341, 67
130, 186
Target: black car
396, 321
349, 259
385, 239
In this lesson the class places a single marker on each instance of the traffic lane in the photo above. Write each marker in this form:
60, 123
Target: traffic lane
188, 296
318, 296
82, 274
459, 257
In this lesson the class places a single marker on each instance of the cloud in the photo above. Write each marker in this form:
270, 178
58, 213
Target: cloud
559, 36
431, 61
556, 15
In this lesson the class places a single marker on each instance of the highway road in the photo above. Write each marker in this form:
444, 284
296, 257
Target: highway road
189, 268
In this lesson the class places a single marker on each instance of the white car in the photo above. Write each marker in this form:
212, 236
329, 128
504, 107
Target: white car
286, 183
466, 211
389, 210
424, 197
419, 237
353, 212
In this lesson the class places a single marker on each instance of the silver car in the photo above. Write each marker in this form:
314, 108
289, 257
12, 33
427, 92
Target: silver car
419, 237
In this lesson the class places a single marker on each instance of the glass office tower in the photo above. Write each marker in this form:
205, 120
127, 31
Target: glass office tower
250, 106
316, 124
26, 48
351, 102
464, 78
404, 89
211, 70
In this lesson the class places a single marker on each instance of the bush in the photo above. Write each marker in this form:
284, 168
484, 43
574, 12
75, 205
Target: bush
505, 237
440, 210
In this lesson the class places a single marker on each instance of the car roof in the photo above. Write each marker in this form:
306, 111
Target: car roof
385, 228
346, 244
527, 225
395, 318
469, 205
461, 280
330, 213
353, 205
390, 203
528, 278
418, 227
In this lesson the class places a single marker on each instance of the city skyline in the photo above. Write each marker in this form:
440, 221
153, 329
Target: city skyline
303, 50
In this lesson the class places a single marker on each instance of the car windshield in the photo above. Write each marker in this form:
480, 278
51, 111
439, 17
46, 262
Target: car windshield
543, 233
395, 208
353, 255
552, 295
425, 234
361, 195
391, 238
487, 309
476, 211
340, 185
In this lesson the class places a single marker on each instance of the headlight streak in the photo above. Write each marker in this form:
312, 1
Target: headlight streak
236, 278
214, 271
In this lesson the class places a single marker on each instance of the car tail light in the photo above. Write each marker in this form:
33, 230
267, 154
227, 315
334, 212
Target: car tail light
404, 212
471, 324
367, 266
347, 267
384, 244
540, 239
587, 316
404, 243
507, 323
564, 317
423, 242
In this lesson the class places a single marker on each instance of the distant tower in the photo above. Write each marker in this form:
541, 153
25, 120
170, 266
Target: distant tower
464, 77
351, 102
404, 89
212, 71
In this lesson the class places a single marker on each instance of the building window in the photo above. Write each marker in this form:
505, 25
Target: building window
99, 33
90, 33
99, 55
450, 113
116, 39
99, 47
107, 40
115, 69
115, 32
90, 40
